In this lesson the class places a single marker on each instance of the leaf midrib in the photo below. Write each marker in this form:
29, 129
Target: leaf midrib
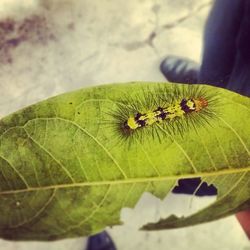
128, 181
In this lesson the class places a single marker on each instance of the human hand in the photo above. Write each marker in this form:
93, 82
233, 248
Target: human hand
244, 220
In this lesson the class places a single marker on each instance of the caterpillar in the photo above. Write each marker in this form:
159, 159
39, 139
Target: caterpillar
174, 110
177, 109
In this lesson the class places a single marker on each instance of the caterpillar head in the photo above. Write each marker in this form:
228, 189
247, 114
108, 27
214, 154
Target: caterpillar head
200, 103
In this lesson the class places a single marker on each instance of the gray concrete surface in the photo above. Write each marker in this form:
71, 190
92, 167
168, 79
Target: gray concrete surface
48, 47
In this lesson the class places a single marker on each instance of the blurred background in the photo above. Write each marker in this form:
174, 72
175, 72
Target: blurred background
48, 47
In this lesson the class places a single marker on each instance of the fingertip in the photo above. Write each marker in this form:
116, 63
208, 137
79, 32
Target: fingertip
244, 220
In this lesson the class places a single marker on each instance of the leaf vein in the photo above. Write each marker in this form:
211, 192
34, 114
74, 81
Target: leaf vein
92, 137
17, 172
236, 133
38, 213
181, 148
91, 214
53, 157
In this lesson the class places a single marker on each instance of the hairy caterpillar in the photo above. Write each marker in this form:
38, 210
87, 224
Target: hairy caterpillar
177, 109
174, 110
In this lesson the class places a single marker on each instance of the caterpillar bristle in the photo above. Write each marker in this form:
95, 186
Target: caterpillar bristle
164, 111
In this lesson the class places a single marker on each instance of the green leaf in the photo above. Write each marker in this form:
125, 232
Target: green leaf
66, 169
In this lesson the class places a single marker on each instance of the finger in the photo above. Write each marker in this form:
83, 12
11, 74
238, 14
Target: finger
244, 220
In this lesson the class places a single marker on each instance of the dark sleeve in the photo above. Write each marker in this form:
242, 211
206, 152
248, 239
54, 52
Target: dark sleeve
221, 32
243, 42
240, 77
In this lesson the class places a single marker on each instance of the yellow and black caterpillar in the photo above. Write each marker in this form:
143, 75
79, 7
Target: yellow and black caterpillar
178, 109
174, 110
